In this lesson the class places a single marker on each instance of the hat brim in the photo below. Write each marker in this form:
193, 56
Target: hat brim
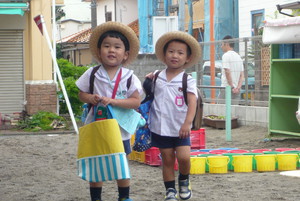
178, 35
115, 26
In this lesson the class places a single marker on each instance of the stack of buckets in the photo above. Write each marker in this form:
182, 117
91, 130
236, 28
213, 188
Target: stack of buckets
222, 160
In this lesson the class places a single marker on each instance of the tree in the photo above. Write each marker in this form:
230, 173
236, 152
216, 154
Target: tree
59, 13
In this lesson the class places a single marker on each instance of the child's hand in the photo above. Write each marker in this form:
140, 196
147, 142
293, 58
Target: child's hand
106, 101
184, 131
94, 99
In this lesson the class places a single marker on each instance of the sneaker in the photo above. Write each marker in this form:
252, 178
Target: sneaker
185, 190
171, 195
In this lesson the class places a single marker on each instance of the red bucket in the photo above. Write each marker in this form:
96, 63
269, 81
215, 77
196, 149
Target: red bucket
260, 150
284, 149
238, 151
218, 151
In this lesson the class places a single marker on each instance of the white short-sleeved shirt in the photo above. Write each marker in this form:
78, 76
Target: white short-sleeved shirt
104, 87
168, 110
232, 60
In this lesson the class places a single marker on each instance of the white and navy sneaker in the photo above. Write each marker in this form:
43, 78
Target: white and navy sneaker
185, 190
171, 195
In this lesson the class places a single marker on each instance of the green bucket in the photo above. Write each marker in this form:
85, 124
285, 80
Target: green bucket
206, 155
253, 159
273, 152
230, 166
294, 152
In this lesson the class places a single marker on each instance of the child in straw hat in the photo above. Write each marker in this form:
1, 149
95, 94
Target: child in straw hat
114, 45
171, 118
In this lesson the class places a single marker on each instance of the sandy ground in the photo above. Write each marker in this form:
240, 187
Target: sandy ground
42, 167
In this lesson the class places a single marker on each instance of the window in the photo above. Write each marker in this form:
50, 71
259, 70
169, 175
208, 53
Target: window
257, 18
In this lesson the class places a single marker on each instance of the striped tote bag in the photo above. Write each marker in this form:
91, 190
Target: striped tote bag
100, 155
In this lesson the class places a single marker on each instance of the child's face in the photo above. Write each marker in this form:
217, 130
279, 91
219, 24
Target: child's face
112, 52
176, 55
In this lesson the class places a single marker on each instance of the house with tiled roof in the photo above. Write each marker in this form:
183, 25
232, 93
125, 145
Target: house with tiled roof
75, 47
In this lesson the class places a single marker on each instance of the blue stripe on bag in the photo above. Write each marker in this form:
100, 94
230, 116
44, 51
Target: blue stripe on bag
83, 170
95, 168
108, 168
123, 167
114, 164
90, 169
103, 168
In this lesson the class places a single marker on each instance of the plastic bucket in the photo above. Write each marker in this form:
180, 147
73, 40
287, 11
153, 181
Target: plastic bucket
206, 155
265, 162
218, 151
294, 152
242, 163
260, 150
273, 152
253, 160
287, 161
284, 149
198, 165
230, 155
239, 151
217, 164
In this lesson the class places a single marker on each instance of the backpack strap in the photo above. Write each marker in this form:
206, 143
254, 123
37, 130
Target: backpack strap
184, 87
92, 78
129, 82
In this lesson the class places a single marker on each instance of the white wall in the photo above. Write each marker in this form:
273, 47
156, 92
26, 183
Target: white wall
126, 11
67, 28
246, 6
77, 10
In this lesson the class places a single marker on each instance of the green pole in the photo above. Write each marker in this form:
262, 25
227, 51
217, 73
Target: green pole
228, 113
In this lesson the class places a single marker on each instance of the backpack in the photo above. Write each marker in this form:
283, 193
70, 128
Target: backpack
197, 122
88, 106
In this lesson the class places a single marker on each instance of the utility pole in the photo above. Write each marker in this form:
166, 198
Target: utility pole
94, 13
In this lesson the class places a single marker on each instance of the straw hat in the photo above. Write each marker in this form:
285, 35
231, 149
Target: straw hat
179, 35
134, 45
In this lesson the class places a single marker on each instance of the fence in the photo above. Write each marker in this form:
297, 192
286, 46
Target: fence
255, 90
256, 59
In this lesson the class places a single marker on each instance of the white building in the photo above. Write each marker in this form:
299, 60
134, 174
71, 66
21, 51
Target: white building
253, 13
77, 18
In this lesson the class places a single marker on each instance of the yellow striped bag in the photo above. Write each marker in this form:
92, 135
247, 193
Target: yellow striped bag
101, 155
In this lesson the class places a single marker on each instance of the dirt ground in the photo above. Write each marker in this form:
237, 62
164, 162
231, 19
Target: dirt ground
43, 168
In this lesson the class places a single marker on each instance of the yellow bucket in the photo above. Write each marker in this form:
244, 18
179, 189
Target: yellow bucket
287, 161
198, 165
265, 162
242, 163
218, 164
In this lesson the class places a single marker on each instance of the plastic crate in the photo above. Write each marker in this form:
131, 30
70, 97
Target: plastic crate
152, 157
198, 139
139, 156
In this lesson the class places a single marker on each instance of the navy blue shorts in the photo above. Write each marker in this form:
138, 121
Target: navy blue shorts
168, 142
127, 146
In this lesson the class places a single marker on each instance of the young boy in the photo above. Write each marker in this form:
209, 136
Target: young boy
171, 118
114, 45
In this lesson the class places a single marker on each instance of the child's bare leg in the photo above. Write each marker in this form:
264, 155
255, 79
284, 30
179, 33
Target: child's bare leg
183, 158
